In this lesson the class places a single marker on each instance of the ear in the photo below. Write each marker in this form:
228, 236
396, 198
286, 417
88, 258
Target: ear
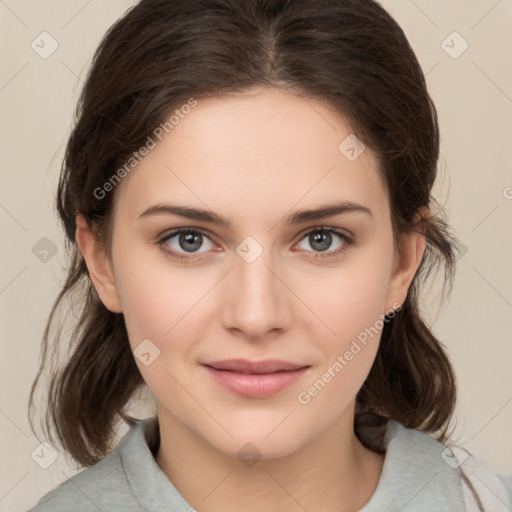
98, 264
407, 261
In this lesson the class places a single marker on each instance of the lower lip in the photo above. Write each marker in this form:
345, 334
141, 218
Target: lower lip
256, 385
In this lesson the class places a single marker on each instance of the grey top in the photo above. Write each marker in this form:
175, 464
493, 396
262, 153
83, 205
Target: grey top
419, 474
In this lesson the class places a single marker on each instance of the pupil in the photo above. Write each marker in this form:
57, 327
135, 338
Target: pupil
188, 240
323, 238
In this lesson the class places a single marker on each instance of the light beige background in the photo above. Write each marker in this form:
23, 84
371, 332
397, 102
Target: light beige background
473, 94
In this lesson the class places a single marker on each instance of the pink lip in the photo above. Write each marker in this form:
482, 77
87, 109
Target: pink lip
255, 378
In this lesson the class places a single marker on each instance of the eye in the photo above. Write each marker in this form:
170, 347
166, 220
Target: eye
181, 242
321, 238
184, 243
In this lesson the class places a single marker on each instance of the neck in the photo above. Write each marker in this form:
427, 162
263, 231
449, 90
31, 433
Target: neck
333, 473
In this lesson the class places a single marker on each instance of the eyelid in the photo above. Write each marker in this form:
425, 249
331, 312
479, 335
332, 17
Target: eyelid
301, 234
325, 227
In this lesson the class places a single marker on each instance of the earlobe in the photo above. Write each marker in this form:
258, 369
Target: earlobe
98, 264
408, 260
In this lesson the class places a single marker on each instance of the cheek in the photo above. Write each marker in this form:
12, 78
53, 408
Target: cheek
160, 301
354, 312
164, 310
348, 299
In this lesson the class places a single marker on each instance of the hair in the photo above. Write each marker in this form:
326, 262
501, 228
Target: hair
349, 54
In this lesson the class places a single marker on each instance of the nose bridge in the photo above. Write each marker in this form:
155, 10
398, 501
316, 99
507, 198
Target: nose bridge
257, 302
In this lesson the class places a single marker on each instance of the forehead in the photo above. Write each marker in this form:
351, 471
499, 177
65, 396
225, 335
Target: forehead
260, 153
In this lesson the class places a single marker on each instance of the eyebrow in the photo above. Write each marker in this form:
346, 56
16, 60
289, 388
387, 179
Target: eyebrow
297, 217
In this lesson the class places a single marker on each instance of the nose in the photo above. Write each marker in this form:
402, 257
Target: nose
257, 301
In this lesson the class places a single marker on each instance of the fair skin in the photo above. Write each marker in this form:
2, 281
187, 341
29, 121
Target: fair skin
255, 158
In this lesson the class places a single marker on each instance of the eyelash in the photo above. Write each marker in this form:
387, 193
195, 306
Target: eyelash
348, 241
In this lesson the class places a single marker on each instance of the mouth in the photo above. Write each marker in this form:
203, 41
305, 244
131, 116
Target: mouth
257, 379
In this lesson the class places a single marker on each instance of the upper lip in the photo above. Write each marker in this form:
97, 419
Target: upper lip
246, 366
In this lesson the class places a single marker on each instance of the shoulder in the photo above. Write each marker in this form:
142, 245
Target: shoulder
423, 474
103, 486
485, 487
128, 479
98, 487
452, 467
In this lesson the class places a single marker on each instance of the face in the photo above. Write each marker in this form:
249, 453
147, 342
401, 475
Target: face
312, 292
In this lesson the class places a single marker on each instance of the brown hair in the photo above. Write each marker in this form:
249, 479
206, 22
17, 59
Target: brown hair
349, 54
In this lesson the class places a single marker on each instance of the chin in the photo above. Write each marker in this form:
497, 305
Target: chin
263, 440
255, 449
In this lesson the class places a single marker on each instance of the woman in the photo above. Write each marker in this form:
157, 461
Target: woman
247, 198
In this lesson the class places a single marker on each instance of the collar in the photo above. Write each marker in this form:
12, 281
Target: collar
151, 486
414, 478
